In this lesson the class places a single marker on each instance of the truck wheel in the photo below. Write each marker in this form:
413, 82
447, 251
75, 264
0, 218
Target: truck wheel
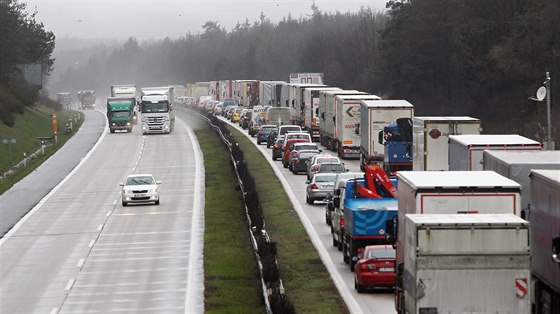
345, 257
112, 131
124, 203
157, 202
352, 264
129, 130
339, 245
273, 158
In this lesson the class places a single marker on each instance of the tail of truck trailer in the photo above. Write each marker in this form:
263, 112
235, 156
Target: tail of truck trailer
327, 115
464, 264
311, 108
430, 137
545, 240
466, 151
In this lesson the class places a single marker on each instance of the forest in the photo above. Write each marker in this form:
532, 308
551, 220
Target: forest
22, 41
479, 58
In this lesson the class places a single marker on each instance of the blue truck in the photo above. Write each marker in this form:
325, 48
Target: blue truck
365, 217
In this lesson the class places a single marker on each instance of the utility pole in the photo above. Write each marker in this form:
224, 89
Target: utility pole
550, 142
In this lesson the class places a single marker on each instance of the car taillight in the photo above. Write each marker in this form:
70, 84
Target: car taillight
297, 160
261, 133
341, 223
315, 167
368, 265
314, 187
277, 146
360, 250
294, 153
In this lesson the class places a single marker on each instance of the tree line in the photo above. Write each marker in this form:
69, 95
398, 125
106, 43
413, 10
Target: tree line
22, 41
479, 58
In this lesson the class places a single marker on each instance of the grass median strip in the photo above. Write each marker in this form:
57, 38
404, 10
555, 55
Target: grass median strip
306, 280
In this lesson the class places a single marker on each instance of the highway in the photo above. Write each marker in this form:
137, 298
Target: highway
80, 251
313, 218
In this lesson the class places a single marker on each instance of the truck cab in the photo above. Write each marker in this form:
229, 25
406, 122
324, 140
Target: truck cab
157, 114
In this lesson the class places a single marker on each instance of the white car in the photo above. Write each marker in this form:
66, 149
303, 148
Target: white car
140, 188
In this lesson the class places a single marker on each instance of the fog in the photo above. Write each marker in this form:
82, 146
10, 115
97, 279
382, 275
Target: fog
120, 19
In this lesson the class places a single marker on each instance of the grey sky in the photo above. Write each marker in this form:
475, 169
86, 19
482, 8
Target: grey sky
157, 19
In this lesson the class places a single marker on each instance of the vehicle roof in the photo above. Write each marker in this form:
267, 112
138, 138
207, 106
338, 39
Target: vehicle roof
471, 219
358, 97
139, 175
551, 176
387, 103
455, 179
493, 139
526, 156
380, 247
446, 118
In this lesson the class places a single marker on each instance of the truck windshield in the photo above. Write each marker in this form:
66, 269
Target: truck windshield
117, 114
157, 107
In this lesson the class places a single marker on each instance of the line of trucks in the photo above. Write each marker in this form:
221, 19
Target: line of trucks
474, 218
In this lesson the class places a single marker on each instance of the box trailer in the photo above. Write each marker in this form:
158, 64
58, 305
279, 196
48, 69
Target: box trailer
327, 112
347, 122
517, 165
311, 104
430, 139
466, 151
375, 115
464, 264
545, 240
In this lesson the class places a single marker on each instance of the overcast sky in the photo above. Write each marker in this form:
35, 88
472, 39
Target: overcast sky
158, 19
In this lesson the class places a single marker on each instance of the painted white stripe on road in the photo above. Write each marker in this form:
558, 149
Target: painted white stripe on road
81, 262
70, 284
108, 214
91, 243
100, 227
54, 311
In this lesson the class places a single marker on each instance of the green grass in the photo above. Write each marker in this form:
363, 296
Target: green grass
232, 284
306, 280
35, 122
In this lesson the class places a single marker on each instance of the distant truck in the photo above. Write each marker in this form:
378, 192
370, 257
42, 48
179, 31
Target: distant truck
311, 109
157, 110
430, 137
120, 113
374, 117
278, 116
306, 78
296, 101
517, 165
347, 123
466, 151
267, 93
456, 263
327, 113
64, 99
86, 99
545, 240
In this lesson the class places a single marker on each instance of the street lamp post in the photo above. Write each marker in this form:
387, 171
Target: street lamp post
544, 91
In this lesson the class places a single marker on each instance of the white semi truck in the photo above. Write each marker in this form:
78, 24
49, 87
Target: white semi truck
430, 139
545, 240
156, 107
347, 123
456, 263
327, 112
375, 115
466, 151
311, 104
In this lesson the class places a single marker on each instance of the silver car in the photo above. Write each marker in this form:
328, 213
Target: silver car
318, 187
140, 188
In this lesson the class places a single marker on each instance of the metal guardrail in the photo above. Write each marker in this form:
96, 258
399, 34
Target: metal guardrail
265, 250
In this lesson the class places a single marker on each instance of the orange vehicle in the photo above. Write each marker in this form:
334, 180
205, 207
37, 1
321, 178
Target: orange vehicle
288, 146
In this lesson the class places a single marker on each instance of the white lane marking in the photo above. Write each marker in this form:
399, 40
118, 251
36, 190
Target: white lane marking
91, 243
115, 202
81, 262
132, 271
108, 214
55, 189
70, 284
196, 261
54, 310
174, 257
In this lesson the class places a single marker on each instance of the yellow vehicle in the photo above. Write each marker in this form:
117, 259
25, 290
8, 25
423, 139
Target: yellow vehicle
237, 115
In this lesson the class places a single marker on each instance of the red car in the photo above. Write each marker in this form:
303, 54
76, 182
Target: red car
375, 268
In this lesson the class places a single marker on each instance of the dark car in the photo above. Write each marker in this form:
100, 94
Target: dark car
271, 138
262, 135
245, 120
299, 147
332, 168
277, 148
299, 162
